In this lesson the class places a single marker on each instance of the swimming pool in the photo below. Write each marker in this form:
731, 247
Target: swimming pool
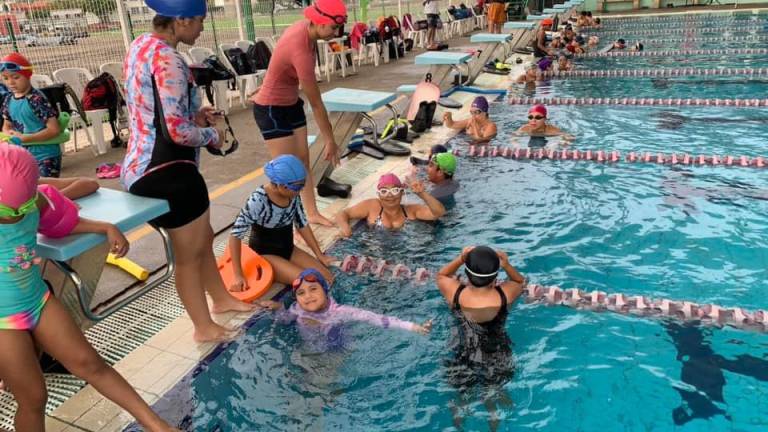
708, 61
731, 87
706, 42
697, 233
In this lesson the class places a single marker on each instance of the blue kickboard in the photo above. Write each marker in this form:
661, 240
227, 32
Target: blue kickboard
406, 88
122, 209
353, 100
442, 58
490, 38
518, 25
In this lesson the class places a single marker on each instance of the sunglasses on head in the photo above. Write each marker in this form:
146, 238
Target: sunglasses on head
26, 208
535, 117
395, 191
307, 278
13, 67
339, 20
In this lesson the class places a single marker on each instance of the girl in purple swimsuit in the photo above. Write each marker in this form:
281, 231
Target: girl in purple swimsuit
320, 319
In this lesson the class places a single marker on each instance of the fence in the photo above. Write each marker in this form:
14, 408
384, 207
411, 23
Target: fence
88, 33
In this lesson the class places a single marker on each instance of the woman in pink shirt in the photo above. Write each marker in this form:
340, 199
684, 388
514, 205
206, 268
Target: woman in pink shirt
278, 109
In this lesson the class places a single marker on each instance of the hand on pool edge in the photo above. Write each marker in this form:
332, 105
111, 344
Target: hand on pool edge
423, 329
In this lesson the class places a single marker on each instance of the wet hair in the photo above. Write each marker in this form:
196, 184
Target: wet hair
597, 21
161, 22
589, 14
482, 266
583, 13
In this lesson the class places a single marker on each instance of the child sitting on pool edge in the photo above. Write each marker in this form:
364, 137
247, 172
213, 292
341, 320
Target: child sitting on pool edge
320, 319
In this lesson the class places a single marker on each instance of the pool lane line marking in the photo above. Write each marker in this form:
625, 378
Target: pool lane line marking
221, 190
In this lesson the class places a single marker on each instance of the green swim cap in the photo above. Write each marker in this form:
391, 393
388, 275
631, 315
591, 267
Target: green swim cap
446, 162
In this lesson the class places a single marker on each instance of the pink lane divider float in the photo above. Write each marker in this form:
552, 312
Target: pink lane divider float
667, 53
646, 307
637, 101
381, 269
614, 156
608, 73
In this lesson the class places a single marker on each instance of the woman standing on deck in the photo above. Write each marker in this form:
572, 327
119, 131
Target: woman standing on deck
168, 128
278, 109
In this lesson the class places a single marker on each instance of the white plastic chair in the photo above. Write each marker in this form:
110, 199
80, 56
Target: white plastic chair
77, 78
243, 45
269, 41
245, 83
115, 69
369, 53
198, 54
330, 57
40, 80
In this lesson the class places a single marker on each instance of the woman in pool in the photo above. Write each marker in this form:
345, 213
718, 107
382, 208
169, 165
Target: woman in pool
387, 210
537, 125
320, 319
479, 126
268, 219
483, 352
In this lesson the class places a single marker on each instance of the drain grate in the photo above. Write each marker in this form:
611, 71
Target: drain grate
113, 338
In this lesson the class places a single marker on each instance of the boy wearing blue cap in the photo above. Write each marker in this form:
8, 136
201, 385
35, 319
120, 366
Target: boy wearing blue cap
267, 221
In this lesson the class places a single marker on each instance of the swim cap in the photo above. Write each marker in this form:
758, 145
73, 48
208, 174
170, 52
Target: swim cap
446, 162
325, 12
541, 109
547, 22
530, 66
19, 60
178, 8
18, 175
60, 217
389, 180
481, 265
480, 103
311, 275
285, 169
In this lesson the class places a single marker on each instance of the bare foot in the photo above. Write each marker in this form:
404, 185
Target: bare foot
320, 220
231, 304
2, 385
214, 333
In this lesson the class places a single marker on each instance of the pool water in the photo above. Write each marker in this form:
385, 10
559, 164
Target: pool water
703, 43
731, 87
697, 233
675, 61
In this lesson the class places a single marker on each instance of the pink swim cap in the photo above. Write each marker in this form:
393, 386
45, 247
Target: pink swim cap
326, 12
541, 109
389, 180
61, 215
18, 175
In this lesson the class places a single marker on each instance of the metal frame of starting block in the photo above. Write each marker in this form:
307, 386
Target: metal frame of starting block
441, 63
490, 42
346, 109
520, 29
79, 259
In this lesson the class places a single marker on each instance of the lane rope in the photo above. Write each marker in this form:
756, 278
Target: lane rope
667, 72
515, 100
676, 52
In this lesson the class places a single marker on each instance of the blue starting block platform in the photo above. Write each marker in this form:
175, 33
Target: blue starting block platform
490, 38
442, 58
538, 17
354, 100
519, 25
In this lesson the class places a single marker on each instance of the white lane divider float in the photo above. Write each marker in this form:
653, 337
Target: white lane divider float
676, 52
668, 72
515, 100
597, 301
676, 30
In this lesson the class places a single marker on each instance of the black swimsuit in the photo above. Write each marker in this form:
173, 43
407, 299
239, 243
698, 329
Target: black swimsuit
483, 352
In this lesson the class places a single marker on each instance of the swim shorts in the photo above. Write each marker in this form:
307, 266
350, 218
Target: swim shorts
279, 121
182, 186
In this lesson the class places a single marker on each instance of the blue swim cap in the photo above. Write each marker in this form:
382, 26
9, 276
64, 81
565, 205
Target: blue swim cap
311, 275
285, 169
178, 8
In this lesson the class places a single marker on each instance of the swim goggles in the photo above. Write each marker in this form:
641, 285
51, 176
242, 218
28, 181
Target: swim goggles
24, 209
340, 20
312, 276
13, 67
395, 191
293, 187
532, 117
476, 112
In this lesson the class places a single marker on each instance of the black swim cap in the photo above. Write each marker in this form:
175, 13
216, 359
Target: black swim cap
482, 266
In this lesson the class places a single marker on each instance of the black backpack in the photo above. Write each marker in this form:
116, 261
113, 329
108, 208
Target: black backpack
102, 93
259, 55
239, 61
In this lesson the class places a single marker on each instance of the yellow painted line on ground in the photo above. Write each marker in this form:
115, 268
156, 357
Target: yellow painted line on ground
253, 175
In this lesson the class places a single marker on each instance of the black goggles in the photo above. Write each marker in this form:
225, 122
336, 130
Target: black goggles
337, 19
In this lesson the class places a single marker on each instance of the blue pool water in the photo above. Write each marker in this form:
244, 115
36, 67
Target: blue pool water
697, 233
675, 61
732, 87
705, 43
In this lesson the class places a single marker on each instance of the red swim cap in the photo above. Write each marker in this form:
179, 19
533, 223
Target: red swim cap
326, 12
541, 109
21, 61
